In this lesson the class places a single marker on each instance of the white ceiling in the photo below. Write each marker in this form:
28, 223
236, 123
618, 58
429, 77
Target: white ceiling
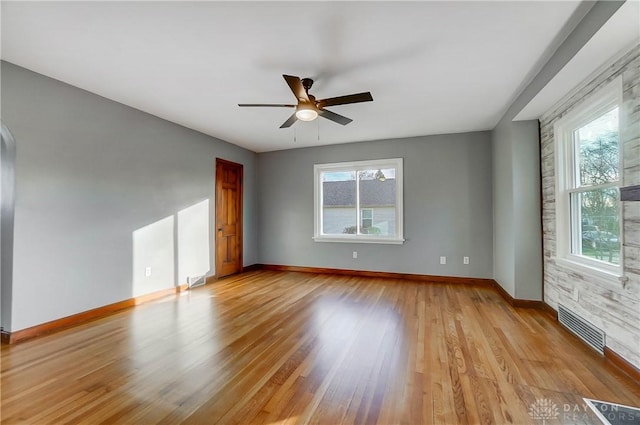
432, 67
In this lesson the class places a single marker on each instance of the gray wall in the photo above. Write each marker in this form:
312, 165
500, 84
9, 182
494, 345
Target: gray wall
503, 220
7, 198
447, 207
100, 187
517, 229
527, 211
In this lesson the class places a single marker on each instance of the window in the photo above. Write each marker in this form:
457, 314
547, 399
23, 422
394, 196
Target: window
588, 170
366, 218
359, 201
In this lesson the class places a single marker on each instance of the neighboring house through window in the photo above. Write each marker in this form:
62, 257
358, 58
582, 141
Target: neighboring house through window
366, 218
359, 201
588, 180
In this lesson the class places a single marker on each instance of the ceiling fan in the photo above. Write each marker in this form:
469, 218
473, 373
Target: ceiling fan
308, 108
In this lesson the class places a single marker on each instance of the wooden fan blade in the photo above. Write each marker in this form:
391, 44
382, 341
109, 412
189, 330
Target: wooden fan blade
343, 100
288, 123
334, 117
275, 105
295, 84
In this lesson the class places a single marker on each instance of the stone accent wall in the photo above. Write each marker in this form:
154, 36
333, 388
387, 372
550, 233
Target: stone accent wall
615, 308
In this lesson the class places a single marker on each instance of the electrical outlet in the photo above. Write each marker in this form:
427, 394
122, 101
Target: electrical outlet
443, 260
465, 260
355, 254
147, 271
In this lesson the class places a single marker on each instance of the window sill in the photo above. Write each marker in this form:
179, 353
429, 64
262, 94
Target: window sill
354, 239
607, 276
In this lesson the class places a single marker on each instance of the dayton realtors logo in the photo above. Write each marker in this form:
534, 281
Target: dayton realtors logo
608, 413
543, 409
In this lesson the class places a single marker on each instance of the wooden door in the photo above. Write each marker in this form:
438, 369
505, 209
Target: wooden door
228, 218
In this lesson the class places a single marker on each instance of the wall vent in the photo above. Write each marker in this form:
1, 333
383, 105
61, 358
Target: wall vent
194, 281
582, 329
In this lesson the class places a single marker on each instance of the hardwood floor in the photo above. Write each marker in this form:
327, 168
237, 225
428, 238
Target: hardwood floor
272, 347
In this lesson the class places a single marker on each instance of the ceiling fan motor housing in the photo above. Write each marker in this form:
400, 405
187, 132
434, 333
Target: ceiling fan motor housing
306, 83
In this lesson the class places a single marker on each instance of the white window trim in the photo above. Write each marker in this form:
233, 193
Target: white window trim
598, 104
351, 166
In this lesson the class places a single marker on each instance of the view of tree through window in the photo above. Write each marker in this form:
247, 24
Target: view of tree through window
595, 197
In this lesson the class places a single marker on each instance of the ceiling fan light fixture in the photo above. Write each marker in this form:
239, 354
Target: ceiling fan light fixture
306, 113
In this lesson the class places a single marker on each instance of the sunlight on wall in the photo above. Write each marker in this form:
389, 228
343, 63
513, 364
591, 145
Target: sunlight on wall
153, 257
193, 241
177, 243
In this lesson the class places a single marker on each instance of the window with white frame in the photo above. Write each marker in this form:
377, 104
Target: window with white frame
358, 201
588, 179
366, 218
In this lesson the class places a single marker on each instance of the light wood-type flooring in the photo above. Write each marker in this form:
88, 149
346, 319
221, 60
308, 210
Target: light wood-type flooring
276, 348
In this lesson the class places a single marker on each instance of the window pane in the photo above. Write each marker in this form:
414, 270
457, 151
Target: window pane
598, 150
339, 213
597, 212
366, 221
378, 195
